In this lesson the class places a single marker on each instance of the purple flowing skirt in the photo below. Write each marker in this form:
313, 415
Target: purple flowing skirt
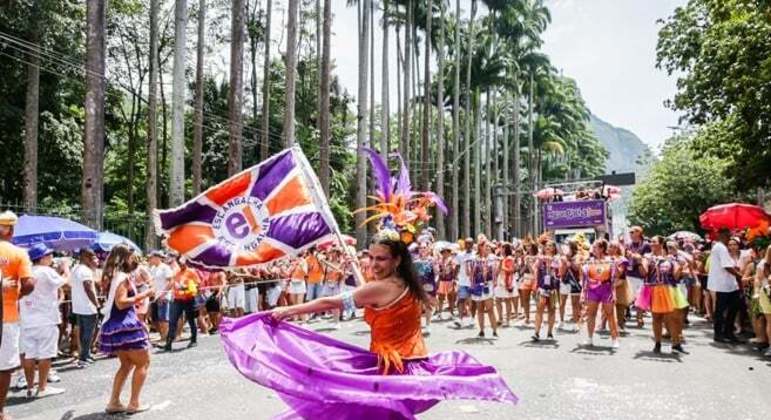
320, 377
123, 333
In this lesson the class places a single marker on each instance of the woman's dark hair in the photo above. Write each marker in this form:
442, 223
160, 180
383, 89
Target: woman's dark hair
659, 239
118, 260
531, 248
507, 251
573, 247
602, 243
405, 270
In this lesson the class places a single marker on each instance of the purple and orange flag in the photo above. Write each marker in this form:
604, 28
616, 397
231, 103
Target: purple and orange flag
272, 210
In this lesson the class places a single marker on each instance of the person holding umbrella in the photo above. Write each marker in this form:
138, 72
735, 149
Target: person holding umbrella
15, 281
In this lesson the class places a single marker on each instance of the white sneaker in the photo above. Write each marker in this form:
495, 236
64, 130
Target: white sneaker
21, 382
589, 342
615, 344
53, 377
470, 323
49, 391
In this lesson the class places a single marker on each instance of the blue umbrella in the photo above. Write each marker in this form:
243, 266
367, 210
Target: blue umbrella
56, 232
107, 240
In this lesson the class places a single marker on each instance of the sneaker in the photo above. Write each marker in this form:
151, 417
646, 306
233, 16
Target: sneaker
589, 342
49, 391
426, 331
657, 348
615, 345
767, 353
21, 382
679, 349
81, 364
53, 377
470, 323
550, 336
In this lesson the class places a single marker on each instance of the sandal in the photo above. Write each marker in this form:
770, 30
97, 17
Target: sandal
119, 409
140, 409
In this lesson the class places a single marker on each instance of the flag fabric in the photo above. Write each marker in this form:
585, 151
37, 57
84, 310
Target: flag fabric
269, 211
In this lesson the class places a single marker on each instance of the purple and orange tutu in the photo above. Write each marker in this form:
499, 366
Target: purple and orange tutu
656, 298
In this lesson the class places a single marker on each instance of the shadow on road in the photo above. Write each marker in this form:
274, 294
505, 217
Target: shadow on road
101, 415
476, 340
594, 350
658, 357
547, 343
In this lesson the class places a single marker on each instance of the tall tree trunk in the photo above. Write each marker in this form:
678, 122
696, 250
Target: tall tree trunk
236, 93
372, 140
361, 128
425, 169
399, 67
497, 218
405, 135
531, 157
467, 137
455, 202
92, 185
385, 108
152, 129
505, 226
177, 178
291, 69
440, 140
265, 143
478, 203
486, 157
417, 116
325, 111
254, 37
515, 165
32, 114
198, 117
319, 39
163, 165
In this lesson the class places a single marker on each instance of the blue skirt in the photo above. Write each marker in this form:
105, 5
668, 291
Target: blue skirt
123, 333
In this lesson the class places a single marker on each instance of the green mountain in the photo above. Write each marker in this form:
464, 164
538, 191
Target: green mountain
627, 153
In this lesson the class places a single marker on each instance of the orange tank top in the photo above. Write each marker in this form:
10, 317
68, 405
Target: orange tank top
396, 333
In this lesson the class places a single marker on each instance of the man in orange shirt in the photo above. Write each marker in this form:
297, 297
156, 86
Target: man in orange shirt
15, 282
184, 288
315, 279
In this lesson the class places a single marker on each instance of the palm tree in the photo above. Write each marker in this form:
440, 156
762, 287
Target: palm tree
177, 170
467, 136
441, 142
455, 208
32, 113
424, 140
361, 133
291, 70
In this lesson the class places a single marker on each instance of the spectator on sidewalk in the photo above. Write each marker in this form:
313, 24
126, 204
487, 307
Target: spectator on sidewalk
85, 303
159, 308
40, 319
185, 288
724, 277
15, 281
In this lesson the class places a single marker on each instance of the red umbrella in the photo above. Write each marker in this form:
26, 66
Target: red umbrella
349, 240
733, 216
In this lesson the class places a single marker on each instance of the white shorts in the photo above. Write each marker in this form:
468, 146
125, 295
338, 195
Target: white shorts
564, 288
40, 343
236, 297
297, 287
273, 294
9, 350
502, 293
252, 297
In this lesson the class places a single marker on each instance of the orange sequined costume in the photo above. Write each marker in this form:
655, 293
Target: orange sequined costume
396, 332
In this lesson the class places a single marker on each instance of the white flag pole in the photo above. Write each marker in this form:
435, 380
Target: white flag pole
320, 200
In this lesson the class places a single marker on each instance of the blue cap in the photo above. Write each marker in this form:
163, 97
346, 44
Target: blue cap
39, 251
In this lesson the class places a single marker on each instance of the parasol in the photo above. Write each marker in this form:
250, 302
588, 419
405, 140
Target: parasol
733, 216
57, 233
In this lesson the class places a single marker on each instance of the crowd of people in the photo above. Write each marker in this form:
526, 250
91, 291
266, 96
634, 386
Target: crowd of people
121, 304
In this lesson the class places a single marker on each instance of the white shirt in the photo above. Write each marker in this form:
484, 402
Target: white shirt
161, 275
719, 279
41, 307
81, 305
462, 260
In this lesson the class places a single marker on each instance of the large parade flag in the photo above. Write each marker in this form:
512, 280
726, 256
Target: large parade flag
272, 210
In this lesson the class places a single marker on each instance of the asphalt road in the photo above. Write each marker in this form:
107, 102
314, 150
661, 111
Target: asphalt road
554, 380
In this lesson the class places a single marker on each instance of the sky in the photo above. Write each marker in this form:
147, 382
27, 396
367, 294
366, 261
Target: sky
608, 46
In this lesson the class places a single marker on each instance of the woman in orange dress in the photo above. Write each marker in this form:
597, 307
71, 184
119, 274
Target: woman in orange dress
318, 376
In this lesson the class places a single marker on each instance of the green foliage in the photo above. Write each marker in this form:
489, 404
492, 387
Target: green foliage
680, 186
721, 52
